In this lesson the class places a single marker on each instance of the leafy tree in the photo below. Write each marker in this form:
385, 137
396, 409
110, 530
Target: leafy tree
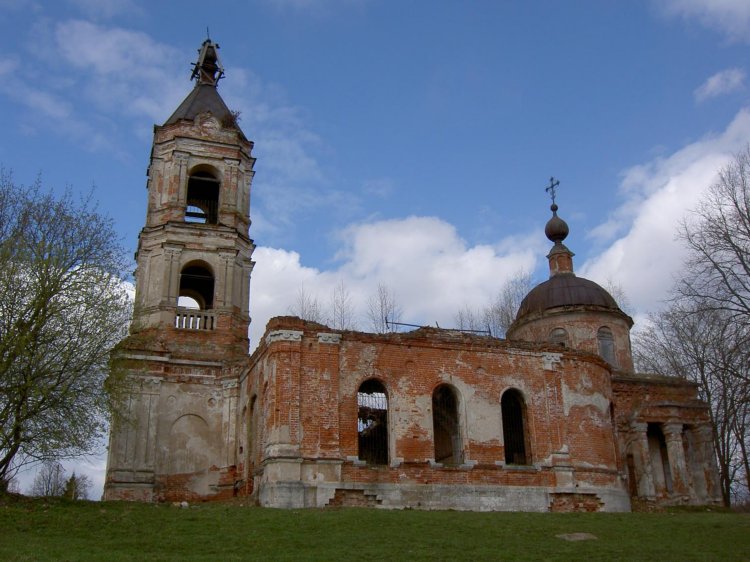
77, 487
49, 480
63, 307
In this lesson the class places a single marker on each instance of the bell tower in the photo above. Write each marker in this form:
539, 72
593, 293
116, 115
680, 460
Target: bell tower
193, 260
188, 340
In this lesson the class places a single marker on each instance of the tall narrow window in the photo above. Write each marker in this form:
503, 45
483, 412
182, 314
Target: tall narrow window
372, 422
202, 198
514, 427
445, 426
606, 345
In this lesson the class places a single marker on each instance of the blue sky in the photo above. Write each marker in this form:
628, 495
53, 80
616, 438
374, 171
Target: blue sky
404, 143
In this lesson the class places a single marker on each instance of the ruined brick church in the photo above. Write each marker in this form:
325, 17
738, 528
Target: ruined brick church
552, 418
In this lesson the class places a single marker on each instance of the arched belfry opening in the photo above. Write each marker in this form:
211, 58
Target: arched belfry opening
202, 201
372, 422
197, 284
446, 427
514, 427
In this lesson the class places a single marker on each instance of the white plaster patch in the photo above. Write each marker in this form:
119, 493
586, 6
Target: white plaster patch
573, 399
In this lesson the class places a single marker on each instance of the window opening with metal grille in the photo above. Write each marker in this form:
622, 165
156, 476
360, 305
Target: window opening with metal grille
445, 426
514, 427
372, 422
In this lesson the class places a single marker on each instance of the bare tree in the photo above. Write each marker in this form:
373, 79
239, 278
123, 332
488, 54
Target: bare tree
717, 235
614, 288
307, 307
14, 486
77, 487
499, 314
707, 347
49, 480
382, 309
63, 307
507, 302
469, 319
342, 315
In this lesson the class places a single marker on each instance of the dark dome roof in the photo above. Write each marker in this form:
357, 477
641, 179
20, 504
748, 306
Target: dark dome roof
566, 290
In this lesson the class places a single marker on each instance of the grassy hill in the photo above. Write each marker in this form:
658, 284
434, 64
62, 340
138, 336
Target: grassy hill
61, 530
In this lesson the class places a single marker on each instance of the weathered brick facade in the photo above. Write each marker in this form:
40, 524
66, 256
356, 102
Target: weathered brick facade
551, 419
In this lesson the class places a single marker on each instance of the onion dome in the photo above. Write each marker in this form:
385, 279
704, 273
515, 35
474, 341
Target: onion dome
563, 289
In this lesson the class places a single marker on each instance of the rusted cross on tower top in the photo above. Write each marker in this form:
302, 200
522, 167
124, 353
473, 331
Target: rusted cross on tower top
551, 188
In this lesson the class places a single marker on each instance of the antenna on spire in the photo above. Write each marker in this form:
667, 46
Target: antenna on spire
553, 183
208, 34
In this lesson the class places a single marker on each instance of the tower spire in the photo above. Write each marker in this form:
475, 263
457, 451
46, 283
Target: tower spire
208, 69
560, 257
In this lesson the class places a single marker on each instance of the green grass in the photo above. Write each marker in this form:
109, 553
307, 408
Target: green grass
60, 530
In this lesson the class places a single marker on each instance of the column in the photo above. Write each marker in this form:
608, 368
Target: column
642, 460
676, 453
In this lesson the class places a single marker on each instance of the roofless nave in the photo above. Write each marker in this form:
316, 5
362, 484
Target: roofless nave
553, 418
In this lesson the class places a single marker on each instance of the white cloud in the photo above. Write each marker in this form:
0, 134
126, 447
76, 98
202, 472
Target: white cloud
731, 17
106, 9
647, 256
123, 72
315, 6
431, 270
92, 84
724, 82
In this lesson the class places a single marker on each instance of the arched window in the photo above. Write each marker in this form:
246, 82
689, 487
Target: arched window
197, 284
514, 427
606, 345
202, 198
559, 336
372, 422
445, 427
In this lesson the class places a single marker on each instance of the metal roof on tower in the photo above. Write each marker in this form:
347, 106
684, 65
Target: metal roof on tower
207, 72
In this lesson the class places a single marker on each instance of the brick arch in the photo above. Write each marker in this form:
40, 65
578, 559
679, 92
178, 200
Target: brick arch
205, 168
373, 427
446, 424
515, 427
202, 194
198, 282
